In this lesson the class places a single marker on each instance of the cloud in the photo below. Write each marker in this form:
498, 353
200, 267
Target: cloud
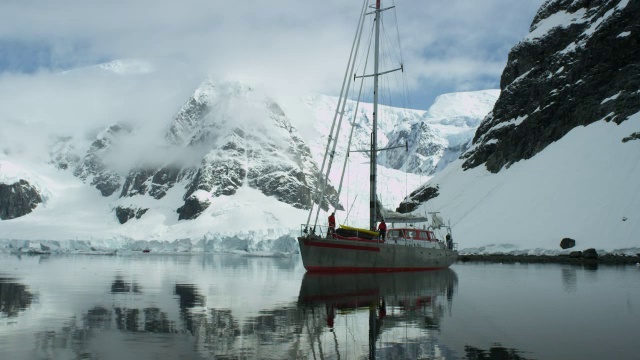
286, 43
287, 47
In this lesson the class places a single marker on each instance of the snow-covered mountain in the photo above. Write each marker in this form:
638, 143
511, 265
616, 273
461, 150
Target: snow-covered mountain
559, 154
441, 135
244, 139
434, 137
229, 164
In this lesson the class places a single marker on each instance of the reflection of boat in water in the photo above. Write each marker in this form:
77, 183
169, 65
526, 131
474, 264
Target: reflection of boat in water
392, 311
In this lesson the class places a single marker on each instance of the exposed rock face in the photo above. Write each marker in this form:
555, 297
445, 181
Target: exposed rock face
633, 136
575, 254
93, 167
249, 141
125, 213
192, 208
18, 199
14, 297
417, 197
63, 153
438, 136
226, 136
567, 243
590, 254
420, 148
566, 73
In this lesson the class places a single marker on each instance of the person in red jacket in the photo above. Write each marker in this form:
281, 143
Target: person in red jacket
382, 228
332, 224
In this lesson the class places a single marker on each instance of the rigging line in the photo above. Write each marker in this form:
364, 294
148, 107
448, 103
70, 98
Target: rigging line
402, 85
363, 59
390, 49
404, 78
366, 58
350, 65
346, 75
353, 125
406, 179
310, 337
395, 16
335, 340
335, 141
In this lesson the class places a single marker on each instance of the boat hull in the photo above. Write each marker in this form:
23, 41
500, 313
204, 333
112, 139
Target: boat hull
338, 255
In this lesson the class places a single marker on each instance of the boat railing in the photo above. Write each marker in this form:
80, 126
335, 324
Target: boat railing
318, 230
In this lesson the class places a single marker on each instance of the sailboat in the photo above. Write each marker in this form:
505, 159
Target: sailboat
352, 249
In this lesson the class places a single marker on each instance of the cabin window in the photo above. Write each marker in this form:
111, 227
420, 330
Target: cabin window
411, 234
422, 235
394, 233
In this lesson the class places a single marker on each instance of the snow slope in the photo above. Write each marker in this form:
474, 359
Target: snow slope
584, 187
76, 217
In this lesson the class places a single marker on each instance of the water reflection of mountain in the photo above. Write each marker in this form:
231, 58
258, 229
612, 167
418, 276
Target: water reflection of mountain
495, 352
202, 323
14, 297
120, 286
401, 312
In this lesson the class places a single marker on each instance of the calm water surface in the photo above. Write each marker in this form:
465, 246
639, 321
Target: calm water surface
234, 307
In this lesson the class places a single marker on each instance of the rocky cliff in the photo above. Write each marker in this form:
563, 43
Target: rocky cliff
92, 168
18, 199
579, 64
558, 155
241, 138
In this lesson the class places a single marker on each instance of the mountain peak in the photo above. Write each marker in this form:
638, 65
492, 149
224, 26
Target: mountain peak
469, 104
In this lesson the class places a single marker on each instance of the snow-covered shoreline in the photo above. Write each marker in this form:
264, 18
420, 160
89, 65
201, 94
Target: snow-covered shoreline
283, 246
280, 246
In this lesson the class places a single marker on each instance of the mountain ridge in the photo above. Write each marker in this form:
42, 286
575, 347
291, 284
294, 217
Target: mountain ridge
555, 156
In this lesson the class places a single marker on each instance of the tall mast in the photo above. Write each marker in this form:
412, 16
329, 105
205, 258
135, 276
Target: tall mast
374, 134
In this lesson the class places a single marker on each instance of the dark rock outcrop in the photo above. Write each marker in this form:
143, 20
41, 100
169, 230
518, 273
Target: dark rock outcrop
211, 130
124, 214
192, 208
269, 155
155, 182
567, 243
18, 199
590, 254
63, 153
633, 136
93, 165
14, 297
417, 149
417, 197
582, 71
575, 254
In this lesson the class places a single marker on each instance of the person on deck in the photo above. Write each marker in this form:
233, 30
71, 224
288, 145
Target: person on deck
382, 228
332, 224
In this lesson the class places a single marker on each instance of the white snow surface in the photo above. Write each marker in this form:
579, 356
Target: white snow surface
128, 66
581, 186
558, 19
584, 186
75, 217
470, 104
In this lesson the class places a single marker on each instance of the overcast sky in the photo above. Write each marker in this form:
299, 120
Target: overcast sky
448, 45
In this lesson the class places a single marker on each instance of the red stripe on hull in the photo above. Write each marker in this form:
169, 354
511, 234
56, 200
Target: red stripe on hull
340, 246
357, 239
345, 269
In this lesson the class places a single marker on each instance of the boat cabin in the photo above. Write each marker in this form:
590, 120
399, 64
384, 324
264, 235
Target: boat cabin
412, 234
